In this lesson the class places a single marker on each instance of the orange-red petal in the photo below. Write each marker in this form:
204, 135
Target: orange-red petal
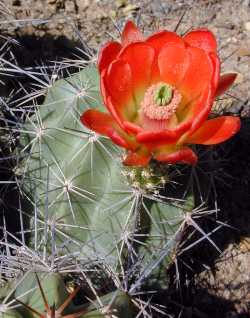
115, 111
159, 39
154, 139
173, 62
201, 38
131, 34
225, 81
136, 159
215, 131
216, 66
157, 136
140, 57
202, 108
118, 139
131, 127
198, 75
118, 81
104, 124
107, 54
104, 91
117, 89
98, 121
184, 155
195, 115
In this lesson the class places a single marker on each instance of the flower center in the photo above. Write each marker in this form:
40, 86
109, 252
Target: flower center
160, 101
163, 95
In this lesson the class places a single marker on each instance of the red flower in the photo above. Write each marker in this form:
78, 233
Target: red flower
159, 92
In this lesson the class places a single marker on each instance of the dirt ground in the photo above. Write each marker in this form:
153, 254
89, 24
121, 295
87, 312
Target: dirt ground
97, 21
51, 29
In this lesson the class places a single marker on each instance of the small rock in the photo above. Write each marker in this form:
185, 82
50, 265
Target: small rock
112, 14
69, 7
82, 4
129, 8
226, 294
247, 25
244, 51
121, 3
239, 79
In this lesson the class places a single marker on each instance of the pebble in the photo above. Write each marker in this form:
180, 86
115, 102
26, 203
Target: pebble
239, 79
247, 25
244, 51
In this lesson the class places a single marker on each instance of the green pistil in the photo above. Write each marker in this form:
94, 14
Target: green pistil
163, 95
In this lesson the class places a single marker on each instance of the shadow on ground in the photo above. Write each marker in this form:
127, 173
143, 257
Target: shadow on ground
205, 275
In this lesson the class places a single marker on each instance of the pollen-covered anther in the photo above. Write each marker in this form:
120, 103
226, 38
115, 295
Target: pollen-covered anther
160, 101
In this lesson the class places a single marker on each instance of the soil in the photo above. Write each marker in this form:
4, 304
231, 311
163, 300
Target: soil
218, 284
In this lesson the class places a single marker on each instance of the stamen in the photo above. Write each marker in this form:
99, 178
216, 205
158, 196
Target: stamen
160, 101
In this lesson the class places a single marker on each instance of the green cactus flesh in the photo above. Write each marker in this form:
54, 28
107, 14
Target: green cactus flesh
74, 176
52, 290
10, 314
81, 202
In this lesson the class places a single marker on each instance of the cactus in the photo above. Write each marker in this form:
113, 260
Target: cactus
75, 176
111, 230
85, 205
